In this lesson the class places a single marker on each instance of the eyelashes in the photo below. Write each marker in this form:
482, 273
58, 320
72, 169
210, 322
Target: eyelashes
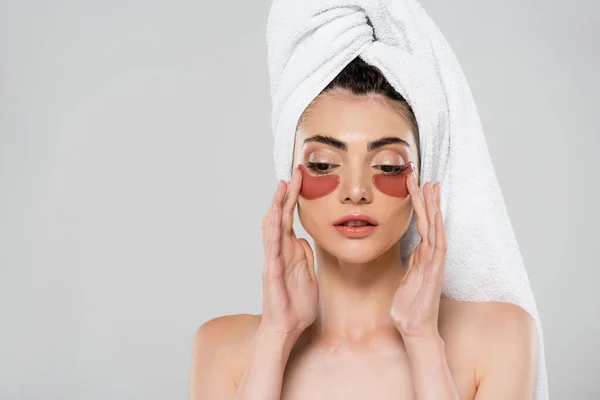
323, 168
392, 169
318, 167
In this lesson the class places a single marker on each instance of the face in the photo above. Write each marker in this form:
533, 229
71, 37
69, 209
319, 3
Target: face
348, 169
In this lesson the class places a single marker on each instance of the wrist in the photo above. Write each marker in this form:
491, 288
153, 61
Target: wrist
429, 368
276, 338
426, 346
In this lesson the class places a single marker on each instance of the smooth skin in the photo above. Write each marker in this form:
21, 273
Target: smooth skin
361, 327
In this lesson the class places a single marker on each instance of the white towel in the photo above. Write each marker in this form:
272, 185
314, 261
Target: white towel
311, 41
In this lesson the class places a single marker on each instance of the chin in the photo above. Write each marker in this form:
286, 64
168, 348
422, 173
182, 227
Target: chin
356, 255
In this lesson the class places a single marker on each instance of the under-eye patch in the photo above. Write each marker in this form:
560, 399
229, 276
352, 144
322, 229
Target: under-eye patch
394, 185
314, 187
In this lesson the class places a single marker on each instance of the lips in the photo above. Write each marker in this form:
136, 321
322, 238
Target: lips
355, 220
355, 232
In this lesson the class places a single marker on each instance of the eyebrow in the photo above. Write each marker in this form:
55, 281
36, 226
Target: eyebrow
371, 145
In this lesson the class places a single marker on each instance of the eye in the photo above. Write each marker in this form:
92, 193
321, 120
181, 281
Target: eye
319, 168
391, 169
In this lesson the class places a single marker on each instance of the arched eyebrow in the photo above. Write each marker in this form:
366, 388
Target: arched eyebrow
384, 141
371, 146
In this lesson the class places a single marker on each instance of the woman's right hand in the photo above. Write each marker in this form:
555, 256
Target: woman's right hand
290, 288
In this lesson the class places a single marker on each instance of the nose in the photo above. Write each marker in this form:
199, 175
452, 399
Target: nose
356, 187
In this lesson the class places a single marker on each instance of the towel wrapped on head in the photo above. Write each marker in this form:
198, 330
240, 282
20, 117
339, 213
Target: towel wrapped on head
311, 41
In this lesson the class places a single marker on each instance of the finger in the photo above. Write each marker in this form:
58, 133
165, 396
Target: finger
419, 207
279, 193
274, 247
411, 260
267, 220
443, 232
430, 205
438, 195
290, 202
439, 255
266, 227
435, 274
285, 199
309, 257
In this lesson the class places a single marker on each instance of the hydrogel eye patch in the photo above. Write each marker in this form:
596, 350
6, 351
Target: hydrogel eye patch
314, 187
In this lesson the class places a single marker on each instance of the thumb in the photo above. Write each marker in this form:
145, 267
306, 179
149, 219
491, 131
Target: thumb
310, 257
410, 267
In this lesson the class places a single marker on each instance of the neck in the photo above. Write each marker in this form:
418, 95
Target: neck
355, 299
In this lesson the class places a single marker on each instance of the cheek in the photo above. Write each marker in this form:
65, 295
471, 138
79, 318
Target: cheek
394, 185
314, 187
313, 216
396, 219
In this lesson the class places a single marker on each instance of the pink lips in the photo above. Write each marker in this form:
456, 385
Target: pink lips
356, 217
355, 231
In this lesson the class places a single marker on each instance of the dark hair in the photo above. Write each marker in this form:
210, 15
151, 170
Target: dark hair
361, 78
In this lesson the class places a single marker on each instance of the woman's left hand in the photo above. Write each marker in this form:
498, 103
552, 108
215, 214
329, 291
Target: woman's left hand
416, 303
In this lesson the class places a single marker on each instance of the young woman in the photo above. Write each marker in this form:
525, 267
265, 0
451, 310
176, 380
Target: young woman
363, 326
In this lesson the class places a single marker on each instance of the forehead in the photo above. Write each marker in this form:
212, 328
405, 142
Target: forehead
353, 119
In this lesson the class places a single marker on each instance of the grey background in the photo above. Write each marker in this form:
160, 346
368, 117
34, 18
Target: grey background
135, 169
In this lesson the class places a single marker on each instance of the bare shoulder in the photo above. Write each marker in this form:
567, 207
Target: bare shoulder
220, 347
498, 333
493, 322
227, 335
228, 329
485, 313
